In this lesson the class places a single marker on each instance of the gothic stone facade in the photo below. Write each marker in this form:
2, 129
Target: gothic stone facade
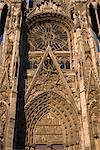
50, 75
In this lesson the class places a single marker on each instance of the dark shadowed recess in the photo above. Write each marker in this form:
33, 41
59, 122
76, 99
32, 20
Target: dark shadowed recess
20, 123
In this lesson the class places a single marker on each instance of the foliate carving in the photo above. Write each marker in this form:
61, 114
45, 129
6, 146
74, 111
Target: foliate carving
48, 33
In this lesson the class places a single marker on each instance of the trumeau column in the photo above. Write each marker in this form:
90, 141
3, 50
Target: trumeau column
14, 79
86, 145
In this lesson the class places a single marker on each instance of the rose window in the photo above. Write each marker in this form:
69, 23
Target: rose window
46, 34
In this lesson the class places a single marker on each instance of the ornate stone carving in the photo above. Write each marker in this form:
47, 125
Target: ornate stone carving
51, 103
49, 130
48, 33
51, 6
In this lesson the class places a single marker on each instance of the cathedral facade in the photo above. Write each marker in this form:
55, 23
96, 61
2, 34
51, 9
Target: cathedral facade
49, 75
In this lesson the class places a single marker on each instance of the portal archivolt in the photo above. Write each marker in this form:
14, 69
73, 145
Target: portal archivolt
51, 119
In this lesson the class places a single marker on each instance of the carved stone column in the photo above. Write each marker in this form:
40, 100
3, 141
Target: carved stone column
86, 136
84, 115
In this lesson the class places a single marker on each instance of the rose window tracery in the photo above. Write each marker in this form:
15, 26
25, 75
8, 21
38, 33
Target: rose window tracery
46, 34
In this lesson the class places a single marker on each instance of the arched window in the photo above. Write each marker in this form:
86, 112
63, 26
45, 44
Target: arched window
3, 21
93, 19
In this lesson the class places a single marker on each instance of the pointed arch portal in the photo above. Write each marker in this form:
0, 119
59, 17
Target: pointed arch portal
51, 120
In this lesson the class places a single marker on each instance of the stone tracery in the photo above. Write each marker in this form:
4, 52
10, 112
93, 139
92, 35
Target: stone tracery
48, 33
